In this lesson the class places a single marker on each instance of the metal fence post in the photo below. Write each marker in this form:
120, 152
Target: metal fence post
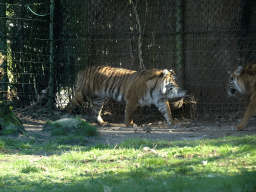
51, 79
180, 62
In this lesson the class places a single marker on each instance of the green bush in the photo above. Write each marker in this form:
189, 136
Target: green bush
2, 143
85, 129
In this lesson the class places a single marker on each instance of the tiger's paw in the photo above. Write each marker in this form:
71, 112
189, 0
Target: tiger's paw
239, 128
104, 124
131, 125
175, 123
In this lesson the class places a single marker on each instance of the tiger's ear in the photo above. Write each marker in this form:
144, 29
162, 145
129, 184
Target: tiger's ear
172, 73
238, 71
165, 73
2, 58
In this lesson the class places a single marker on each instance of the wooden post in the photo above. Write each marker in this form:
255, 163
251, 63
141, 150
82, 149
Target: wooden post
180, 61
51, 79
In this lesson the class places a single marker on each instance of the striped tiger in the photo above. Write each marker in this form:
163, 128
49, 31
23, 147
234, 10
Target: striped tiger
135, 88
243, 80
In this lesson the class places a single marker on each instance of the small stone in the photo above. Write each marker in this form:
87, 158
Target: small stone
204, 162
146, 148
147, 129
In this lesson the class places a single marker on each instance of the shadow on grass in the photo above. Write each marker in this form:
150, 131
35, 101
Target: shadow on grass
140, 180
153, 174
245, 143
230, 140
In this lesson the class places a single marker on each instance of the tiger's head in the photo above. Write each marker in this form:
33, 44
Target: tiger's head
2, 58
170, 87
236, 83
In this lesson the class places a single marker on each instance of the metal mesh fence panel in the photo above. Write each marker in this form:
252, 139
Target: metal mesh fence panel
114, 33
27, 50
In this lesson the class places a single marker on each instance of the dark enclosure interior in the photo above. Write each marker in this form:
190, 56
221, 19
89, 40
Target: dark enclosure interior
48, 41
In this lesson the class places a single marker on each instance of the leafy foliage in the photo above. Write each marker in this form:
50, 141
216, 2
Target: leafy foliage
8, 121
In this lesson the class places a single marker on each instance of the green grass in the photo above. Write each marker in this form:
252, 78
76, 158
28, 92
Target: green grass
224, 164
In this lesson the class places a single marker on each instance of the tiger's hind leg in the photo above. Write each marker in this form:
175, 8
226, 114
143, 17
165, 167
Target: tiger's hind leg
250, 111
98, 104
78, 100
130, 109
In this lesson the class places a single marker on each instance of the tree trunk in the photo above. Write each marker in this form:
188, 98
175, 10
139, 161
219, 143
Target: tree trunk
3, 49
134, 7
51, 80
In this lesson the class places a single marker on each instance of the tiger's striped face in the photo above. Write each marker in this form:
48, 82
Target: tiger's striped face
170, 87
235, 84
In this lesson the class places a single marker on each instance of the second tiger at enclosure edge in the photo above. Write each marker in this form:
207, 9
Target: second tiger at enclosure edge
243, 79
135, 88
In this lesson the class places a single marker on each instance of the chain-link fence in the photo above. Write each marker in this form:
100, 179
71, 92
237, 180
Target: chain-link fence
201, 40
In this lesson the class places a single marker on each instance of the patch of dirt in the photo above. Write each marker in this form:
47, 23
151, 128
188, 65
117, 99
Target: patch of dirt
191, 131
151, 126
207, 127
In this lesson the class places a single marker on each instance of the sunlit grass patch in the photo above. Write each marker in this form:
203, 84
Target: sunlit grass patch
224, 164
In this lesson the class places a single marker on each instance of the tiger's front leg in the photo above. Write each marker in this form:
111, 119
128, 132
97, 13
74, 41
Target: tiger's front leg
164, 107
98, 104
250, 111
130, 109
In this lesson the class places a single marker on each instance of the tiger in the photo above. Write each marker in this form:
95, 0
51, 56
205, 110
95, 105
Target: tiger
243, 80
2, 58
135, 88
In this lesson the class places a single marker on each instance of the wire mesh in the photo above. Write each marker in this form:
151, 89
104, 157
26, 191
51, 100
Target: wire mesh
107, 32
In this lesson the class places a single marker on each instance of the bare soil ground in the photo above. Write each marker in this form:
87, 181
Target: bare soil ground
209, 126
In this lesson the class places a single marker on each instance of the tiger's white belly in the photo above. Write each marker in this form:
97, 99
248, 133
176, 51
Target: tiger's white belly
114, 95
146, 100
